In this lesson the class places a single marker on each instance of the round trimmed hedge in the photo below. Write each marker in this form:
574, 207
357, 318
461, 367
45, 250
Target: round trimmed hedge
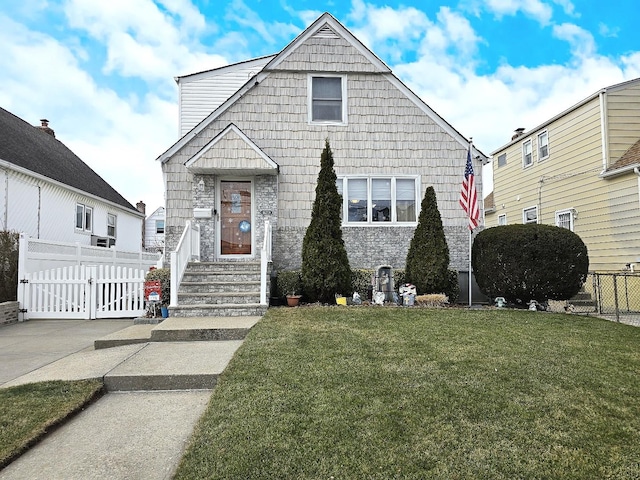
529, 262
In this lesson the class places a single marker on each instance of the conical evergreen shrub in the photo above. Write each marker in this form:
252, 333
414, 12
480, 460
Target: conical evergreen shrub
427, 264
325, 266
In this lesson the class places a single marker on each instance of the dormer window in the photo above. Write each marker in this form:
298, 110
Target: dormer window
327, 99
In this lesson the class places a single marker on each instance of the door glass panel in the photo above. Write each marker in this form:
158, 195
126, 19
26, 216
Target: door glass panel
235, 218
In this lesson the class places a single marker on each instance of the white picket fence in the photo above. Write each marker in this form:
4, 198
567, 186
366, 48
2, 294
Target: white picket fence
83, 292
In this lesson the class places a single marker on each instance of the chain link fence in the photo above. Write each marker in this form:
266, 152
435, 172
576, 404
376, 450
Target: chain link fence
615, 296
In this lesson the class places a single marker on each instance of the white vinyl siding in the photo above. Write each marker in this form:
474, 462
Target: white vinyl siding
379, 200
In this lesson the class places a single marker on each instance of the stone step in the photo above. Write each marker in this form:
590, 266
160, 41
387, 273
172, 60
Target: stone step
185, 298
223, 266
218, 310
240, 276
218, 287
172, 366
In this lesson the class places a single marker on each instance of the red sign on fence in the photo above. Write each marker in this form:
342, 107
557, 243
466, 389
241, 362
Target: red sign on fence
153, 291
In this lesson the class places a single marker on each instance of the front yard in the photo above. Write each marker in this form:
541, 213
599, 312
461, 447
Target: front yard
381, 393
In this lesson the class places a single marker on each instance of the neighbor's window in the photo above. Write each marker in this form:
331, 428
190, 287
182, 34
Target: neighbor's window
543, 145
84, 217
111, 225
327, 99
564, 219
502, 219
159, 226
379, 199
502, 160
530, 215
527, 156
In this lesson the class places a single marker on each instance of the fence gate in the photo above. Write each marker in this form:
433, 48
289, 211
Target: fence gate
83, 292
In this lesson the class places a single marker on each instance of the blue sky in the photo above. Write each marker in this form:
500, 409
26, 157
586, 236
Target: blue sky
103, 72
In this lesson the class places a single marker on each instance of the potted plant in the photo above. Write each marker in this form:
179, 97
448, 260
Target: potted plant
288, 283
293, 299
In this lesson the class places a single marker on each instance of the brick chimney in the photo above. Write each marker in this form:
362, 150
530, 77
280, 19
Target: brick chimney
44, 126
518, 133
142, 208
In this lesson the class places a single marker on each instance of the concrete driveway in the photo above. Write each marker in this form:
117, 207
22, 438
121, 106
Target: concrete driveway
29, 345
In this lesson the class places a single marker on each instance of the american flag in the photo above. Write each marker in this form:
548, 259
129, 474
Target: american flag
468, 196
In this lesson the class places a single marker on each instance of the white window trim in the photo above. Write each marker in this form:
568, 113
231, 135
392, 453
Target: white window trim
500, 217
369, 222
85, 209
540, 157
343, 85
527, 165
524, 214
115, 225
505, 160
571, 213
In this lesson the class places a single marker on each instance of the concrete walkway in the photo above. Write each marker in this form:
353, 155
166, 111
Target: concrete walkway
158, 389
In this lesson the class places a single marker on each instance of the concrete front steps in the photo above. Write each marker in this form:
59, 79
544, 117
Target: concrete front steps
224, 289
177, 354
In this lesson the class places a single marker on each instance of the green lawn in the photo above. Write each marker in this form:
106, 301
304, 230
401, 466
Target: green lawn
28, 411
384, 393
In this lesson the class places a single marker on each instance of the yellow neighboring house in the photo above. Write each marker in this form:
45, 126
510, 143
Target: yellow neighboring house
579, 170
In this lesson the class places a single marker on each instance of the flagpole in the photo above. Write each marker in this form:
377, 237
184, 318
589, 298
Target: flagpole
470, 231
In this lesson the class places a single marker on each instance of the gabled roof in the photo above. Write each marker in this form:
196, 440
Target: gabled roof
626, 163
617, 86
325, 25
260, 61
32, 149
247, 156
328, 26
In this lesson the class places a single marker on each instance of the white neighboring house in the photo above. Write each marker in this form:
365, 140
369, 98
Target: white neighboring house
47, 192
154, 231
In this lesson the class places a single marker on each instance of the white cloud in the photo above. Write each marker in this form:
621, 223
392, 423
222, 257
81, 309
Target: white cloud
535, 9
118, 137
146, 41
581, 41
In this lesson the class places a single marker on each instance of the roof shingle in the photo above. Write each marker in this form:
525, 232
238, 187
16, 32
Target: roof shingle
31, 148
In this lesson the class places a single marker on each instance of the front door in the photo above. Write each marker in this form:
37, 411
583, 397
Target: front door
235, 218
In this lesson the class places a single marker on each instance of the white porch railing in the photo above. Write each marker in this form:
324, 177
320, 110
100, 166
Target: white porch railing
188, 250
265, 258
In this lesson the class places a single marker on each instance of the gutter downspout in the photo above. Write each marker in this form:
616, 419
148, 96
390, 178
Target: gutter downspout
604, 128
636, 170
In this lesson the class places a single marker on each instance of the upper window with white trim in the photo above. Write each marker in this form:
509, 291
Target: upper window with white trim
527, 154
379, 200
502, 219
502, 160
564, 219
84, 218
159, 226
530, 215
327, 99
111, 225
543, 145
